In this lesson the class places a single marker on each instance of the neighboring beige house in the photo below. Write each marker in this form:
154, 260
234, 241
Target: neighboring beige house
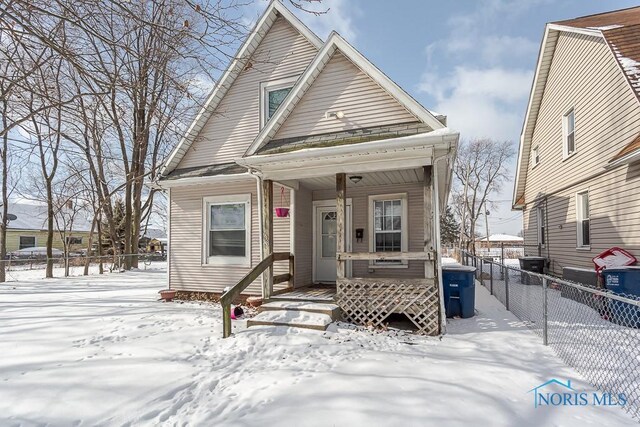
313, 127
29, 229
578, 175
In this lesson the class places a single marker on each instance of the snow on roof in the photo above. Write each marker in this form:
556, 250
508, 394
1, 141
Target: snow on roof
155, 233
32, 215
502, 238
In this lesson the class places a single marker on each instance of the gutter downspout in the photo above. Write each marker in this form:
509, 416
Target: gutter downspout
436, 228
258, 179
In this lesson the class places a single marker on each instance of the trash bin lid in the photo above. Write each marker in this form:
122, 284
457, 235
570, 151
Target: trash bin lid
458, 267
621, 269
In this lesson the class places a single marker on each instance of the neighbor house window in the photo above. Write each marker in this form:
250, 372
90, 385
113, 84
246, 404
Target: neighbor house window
536, 156
569, 127
74, 240
227, 223
272, 95
583, 219
389, 226
27, 242
542, 225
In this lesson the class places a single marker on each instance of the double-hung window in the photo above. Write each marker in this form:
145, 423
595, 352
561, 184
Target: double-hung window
535, 153
583, 220
272, 94
227, 224
569, 130
388, 225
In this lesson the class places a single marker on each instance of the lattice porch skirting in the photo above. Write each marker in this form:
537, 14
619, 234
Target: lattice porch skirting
369, 301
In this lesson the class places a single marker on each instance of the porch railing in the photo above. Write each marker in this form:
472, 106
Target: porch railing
386, 256
235, 291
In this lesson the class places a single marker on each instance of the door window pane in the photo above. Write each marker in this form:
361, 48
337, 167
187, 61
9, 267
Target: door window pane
329, 229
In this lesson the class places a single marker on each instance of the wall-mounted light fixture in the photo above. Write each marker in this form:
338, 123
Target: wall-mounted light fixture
334, 114
355, 178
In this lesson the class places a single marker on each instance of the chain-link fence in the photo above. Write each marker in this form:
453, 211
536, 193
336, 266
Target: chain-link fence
33, 267
593, 330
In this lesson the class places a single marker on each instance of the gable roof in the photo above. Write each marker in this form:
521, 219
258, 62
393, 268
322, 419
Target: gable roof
248, 48
620, 30
33, 216
336, 42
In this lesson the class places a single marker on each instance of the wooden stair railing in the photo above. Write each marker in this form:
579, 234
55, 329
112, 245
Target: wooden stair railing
238, 288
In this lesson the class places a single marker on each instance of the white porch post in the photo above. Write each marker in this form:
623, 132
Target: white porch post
429, 243
341, 213
267, 236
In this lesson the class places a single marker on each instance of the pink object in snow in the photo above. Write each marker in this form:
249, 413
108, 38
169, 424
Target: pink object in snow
233, 313
612, 258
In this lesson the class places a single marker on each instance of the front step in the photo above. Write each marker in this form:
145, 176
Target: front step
291, 318
331, 310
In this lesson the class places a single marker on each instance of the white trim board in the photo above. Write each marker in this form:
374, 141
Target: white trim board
262, 27
336, 42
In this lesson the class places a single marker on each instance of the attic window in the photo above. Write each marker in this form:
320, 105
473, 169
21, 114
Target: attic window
272, 94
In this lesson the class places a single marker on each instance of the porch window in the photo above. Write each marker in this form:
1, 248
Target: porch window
227, 225
583, 220
389, 226
27, 242
272, 95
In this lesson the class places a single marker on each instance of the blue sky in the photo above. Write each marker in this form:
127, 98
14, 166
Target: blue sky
472, 60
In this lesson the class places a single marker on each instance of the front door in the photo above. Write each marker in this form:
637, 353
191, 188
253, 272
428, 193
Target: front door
325, 242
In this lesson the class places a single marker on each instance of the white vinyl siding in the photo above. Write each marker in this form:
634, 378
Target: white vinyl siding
342, 86
584, 76
236, 122
361, 218
188, 272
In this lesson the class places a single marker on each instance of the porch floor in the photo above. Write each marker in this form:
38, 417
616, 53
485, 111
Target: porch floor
314, 293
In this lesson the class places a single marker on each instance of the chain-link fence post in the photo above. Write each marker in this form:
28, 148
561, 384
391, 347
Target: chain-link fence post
480, 274
501, 261
506, 289
490, 277
545, 311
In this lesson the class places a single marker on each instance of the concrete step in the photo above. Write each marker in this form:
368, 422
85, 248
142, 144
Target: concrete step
291, 318
331, 310
306, 298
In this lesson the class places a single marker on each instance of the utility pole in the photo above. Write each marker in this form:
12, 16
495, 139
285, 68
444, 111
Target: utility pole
486, 224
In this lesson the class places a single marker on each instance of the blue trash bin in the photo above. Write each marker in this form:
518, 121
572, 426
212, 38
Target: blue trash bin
459, 290
626, 281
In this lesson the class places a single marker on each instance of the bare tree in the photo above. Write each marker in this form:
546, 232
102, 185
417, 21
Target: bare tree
480, 170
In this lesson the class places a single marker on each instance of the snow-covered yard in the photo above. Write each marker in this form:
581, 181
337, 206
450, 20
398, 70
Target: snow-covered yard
102, 351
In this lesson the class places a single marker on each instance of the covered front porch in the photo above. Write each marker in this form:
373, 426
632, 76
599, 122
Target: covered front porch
363, 219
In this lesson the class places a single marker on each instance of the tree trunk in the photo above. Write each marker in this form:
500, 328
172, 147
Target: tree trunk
5, 205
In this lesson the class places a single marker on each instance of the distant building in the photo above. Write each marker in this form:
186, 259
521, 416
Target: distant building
497, 240
153, 240
29, 229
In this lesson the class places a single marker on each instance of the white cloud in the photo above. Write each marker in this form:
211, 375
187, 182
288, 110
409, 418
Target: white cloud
480, 102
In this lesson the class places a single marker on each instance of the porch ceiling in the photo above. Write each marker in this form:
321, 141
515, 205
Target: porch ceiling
369, 179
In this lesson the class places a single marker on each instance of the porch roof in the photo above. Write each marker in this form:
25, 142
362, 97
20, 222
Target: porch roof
208, 170
347, 137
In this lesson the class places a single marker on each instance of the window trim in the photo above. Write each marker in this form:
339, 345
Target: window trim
265, 88
35, 241
404, 232
535, 153
565, 134
207, 260
541, 214
579, 236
